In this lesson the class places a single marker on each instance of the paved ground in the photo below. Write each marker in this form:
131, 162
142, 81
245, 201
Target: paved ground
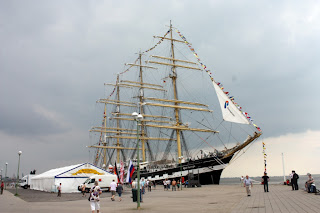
218, 199
279, 199
39, 196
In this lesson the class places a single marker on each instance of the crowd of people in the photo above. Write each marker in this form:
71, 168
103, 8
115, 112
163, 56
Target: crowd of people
174, 184
310, 186
177, 185
117, 188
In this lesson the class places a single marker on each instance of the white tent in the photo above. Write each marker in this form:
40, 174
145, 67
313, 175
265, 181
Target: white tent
70, 177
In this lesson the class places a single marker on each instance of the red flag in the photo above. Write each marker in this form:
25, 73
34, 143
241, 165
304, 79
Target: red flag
121, 172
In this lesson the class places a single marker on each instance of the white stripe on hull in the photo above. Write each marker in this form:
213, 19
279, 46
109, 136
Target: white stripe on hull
185, 172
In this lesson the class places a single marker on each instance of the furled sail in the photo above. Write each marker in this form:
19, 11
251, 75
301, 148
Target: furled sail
230, 112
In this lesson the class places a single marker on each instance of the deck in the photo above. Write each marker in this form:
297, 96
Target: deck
278, 199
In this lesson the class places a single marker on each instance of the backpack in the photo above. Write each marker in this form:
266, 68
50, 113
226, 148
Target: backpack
313, 189
89, 199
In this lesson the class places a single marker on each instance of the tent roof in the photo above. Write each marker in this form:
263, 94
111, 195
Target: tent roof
59, 171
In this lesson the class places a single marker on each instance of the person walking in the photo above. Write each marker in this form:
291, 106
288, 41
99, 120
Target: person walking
142, 184
247, 182
59, 190
119, 190
113, 188
2, 186
173, 184
165, 185
149, 183
241, 181
168, 184
265, 179
294, 180
178, 185
186, 183
94, 198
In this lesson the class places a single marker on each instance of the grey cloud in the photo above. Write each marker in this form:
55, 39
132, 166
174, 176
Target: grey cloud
58, 54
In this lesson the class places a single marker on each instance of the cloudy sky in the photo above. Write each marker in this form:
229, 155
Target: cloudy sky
55, 57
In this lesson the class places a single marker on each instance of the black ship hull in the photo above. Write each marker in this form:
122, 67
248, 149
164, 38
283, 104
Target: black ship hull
201, 171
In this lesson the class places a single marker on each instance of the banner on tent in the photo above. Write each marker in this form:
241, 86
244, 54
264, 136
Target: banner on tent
87, 171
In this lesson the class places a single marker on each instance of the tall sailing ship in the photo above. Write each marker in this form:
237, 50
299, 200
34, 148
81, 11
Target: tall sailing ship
191, 127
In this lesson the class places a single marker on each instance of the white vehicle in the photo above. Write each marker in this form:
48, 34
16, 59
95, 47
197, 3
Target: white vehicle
26, 181
103, 180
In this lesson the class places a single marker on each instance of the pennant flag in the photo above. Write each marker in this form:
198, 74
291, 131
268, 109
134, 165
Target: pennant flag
130, 172
116, 171
264, 156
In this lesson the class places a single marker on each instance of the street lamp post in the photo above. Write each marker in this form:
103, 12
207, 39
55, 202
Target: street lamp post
180, 158
5, 177
138, 118
19, 153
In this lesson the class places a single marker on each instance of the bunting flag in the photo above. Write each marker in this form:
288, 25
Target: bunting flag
264, 156
130, 172
221, 87
159, 42
116, 171
121, 171
114, 89
129, 67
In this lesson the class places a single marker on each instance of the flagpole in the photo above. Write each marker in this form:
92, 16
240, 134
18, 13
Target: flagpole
284, 176
138, 118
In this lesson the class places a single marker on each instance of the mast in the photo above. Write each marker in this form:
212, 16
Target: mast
141, 110
118, 121
102, 159
175, 94
105, 136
